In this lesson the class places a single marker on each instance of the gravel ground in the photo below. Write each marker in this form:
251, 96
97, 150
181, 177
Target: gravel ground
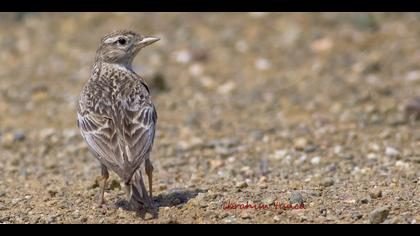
271, 111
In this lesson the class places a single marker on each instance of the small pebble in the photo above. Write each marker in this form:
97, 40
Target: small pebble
262, 64
402, 164
241, 185
323, 212
268, 201
16, 200
226, 88
51, 219
263, 179
245, 215
392, 152
347, 156
315, 160
182, 56
196, 69
412, 110
76, 214
378, 215
78, 201
209, 214
263, 185
372, 156
364, 200
327, 182
230, 220
163, 187
279, 154
52, 192
7, 139
223, 215
216, 163
375, 193
300, 144
309, 149
148, 216
203, 204
356, 215
296, 198
321, 45
19, 136
415, 159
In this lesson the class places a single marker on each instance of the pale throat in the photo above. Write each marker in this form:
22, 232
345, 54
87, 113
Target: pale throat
123, 65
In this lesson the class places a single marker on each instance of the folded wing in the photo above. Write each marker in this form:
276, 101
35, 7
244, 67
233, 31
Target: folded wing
122, 140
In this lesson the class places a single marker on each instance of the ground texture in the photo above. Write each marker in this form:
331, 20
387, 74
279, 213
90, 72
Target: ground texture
316, 110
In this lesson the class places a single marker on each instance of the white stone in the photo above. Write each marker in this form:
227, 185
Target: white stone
262, 64
372, 156
302, 158
226, 88
392, 152
338, 149
413, 75
182, 56
316, 160
196, 69
279, 154
402, 164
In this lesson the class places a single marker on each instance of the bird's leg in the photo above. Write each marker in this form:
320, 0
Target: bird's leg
105, 176
149, 201
149, 171
128, 190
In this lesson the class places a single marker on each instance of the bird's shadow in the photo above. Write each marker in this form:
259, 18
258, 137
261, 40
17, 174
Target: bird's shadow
171, 198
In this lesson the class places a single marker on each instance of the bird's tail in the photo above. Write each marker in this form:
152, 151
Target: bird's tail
138, 195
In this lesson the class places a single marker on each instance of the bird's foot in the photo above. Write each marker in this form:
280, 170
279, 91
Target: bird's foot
102, 204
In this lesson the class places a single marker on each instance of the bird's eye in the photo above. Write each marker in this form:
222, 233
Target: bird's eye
122, 41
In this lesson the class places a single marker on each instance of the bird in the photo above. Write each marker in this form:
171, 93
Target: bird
116, 115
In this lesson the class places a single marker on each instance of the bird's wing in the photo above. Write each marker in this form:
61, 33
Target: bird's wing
137, 126
121, 141
102, 138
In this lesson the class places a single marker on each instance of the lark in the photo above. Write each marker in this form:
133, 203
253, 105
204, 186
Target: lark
117, 117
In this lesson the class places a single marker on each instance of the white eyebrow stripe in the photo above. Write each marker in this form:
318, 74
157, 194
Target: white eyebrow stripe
111, 40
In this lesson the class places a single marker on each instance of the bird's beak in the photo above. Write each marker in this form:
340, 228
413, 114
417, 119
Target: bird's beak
146, 41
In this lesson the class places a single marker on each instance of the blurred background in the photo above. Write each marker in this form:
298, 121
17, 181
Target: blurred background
321, 107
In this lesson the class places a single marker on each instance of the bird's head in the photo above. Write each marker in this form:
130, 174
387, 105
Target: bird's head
121, 47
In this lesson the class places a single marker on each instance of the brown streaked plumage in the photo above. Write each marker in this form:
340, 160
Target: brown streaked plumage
116, 115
